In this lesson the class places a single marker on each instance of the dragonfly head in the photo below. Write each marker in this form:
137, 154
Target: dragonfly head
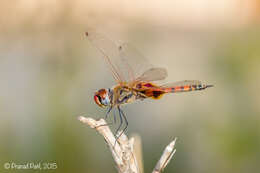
101, 97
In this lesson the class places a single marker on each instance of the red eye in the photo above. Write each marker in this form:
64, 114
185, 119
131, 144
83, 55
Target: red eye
97, 99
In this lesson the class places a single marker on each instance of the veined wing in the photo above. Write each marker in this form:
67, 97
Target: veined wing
138, 67
110, 52
124, 61
153, 74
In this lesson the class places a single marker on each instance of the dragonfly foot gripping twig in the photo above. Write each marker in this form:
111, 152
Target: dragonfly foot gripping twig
124, 151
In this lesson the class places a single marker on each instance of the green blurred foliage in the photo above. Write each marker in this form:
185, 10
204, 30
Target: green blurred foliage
49, 74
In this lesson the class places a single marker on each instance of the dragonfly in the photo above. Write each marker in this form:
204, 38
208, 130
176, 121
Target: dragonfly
136, 79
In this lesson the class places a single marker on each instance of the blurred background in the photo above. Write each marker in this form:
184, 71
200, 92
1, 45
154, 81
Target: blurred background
49, 72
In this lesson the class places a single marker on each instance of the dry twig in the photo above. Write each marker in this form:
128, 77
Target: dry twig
165, 158
123, 149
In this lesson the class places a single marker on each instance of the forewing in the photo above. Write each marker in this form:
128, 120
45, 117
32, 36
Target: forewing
126, 63
110, 52
134, 64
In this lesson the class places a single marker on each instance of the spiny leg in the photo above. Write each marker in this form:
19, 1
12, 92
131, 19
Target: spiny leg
126, 122
114, 114
109, 110
121, 114
121, 120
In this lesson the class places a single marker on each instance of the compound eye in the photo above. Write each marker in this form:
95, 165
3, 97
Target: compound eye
98, 99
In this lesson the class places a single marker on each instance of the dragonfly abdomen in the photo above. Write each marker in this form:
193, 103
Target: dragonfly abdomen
150, 90
154, 93
187, 88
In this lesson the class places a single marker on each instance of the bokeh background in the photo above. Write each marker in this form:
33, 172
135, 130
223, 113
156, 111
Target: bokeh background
49, 72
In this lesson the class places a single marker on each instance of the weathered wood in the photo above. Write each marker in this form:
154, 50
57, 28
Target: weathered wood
123, 151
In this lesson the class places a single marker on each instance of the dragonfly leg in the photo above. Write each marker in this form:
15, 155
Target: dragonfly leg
126, 122
114, 113
109, 109
121, 120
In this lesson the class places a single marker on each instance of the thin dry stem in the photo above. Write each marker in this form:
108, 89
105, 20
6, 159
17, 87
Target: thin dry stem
166, 157
123, 150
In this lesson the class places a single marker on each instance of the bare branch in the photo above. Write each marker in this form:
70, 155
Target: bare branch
166, 157
123, 150
138, 152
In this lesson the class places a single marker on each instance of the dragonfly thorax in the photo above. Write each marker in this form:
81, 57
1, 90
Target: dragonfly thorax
102, 97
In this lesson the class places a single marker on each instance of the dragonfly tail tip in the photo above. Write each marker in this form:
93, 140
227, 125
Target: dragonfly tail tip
208, 86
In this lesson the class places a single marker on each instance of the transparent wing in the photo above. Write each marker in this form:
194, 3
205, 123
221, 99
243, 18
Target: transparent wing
110, 52
153, 74
183, 83
125, 62
137, 67
134, 63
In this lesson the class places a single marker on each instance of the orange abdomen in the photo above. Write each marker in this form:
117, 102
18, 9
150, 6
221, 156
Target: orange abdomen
150, 90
